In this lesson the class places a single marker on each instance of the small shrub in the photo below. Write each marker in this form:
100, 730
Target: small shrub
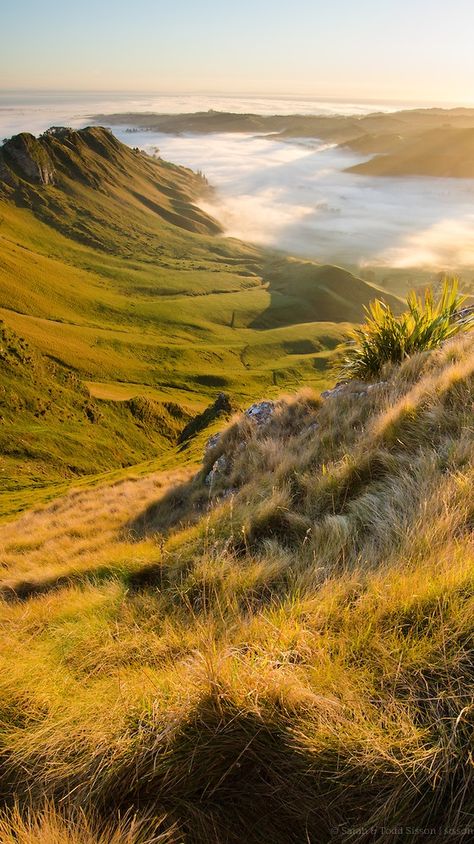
387, 338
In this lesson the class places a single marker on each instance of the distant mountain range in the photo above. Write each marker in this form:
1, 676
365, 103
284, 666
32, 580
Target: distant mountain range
425, 142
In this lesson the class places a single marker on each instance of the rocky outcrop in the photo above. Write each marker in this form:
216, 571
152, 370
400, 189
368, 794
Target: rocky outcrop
465, 316
211, 443
220, 467
6, 176
356, 389
24, 157
224, 450
259, 414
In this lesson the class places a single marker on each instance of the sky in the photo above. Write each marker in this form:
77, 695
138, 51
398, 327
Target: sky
418, 50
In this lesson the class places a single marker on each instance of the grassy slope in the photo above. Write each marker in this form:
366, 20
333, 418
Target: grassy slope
286, 664
438, 152
111, 270
52, 430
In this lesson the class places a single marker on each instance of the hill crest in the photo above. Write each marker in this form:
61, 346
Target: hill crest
33, 170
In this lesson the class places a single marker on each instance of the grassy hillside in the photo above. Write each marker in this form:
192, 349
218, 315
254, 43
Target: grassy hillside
109, 269
72, 163
52, 429
279, 651
439, 152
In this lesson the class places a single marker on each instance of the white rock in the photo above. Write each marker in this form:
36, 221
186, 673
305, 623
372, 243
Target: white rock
211, 443
261, 412
219, 468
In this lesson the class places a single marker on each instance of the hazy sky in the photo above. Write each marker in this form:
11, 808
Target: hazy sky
401, 49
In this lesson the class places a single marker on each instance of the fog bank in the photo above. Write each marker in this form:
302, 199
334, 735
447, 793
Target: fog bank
296, 196
35, 111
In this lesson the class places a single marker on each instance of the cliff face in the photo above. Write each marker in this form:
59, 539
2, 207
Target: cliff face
24, 157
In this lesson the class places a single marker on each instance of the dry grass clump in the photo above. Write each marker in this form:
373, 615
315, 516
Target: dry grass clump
50, 826
290, 661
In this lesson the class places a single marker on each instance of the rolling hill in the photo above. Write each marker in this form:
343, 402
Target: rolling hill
110, 271
444, 151
337, 128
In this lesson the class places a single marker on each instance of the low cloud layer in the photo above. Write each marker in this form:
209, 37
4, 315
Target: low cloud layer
35, 111
295, 195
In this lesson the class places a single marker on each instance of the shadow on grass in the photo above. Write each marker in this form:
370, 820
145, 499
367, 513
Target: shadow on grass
22, 590
226, 775
178, 507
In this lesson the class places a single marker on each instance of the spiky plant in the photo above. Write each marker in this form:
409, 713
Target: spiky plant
388, 338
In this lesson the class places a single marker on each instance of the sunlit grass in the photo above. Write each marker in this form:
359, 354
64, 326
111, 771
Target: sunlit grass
388, 338
259, 666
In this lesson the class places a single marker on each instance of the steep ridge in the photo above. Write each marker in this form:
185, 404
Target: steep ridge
71, 160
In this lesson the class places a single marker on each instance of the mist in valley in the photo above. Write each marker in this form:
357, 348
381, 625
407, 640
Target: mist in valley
296, 195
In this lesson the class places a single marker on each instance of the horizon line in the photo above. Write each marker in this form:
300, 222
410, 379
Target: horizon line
233, 94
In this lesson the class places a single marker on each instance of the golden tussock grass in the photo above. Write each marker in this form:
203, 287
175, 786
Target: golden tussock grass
49, 826
284, 655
